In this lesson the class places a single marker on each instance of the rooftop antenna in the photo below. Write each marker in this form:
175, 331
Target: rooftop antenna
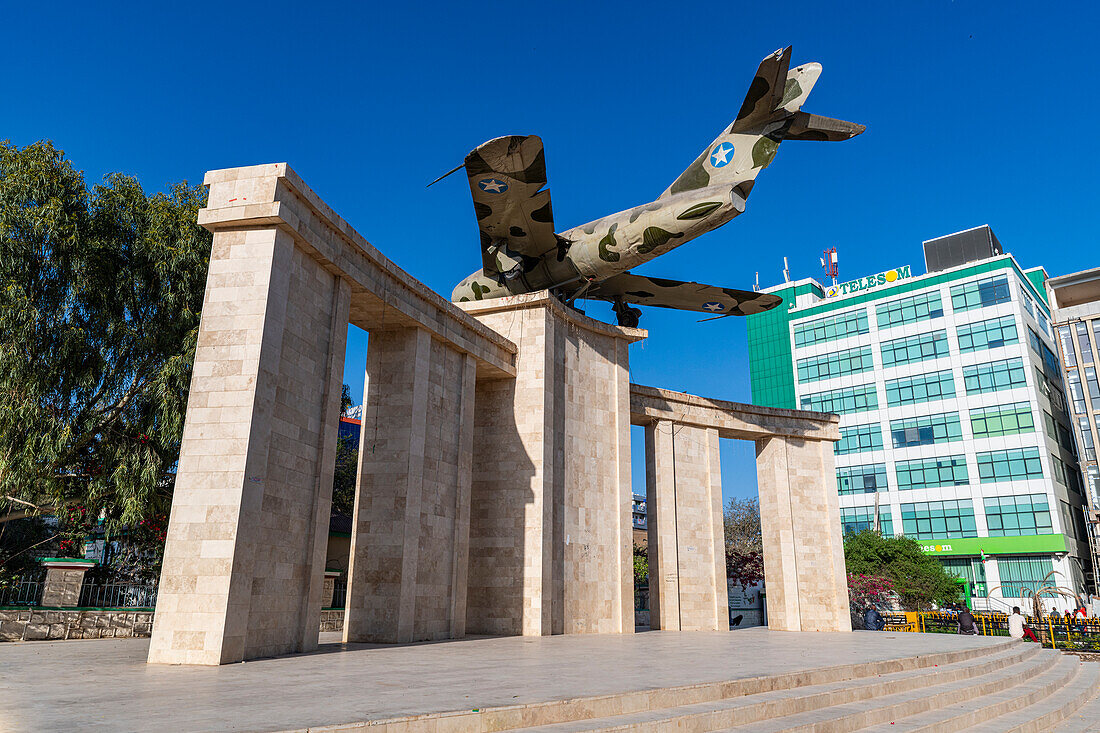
828, 262
786, 271
756, 284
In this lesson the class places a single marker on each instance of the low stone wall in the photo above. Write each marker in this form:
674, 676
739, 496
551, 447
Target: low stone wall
27, 624
332, 619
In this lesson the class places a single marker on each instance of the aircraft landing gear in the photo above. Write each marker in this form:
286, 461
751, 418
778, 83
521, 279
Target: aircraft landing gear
627, 316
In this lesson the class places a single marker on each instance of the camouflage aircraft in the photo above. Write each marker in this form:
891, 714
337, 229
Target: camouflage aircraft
521, 252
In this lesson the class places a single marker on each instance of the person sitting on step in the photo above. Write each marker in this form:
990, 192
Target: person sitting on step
1016, 627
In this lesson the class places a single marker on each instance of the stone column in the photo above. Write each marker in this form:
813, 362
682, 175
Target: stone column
64, 579
551, 533
804, 572
410, 530
243, 561
687, 578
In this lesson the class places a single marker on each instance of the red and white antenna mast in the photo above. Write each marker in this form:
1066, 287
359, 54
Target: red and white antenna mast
828, 262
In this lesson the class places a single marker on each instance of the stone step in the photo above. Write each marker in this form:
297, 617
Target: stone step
1046, 714
1085, 719
739, 710
891, 708
975, 709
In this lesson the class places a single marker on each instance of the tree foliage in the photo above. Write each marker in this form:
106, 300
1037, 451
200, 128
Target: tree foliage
918, 579
744, 541
100, 293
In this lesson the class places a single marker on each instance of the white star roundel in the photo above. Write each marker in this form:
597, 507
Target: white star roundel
721, 155
714, 306
492, 185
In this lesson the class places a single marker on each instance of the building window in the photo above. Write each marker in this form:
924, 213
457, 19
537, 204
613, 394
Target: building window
1065, 439
969, 569
859, 438
922, 388
1086, 438
980, 293
1009, 465
1027, 304
926, 430
993, 376
857, 519
1048, 423
1093, 386
914, 348
927, 473
842, 401
1040, 348
1084, 348
989, 334
1066, 339
1076, 392
1093, 475
926, 520
1011, 419
842, 363
1012, 516
832, 328
861, 479
1023, 575
914, 309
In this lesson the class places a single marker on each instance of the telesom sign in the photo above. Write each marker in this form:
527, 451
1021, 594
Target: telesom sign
869, 282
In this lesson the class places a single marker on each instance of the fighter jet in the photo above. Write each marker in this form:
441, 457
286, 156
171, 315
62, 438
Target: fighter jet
522, 253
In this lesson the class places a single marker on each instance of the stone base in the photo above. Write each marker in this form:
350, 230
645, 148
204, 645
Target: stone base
36, 624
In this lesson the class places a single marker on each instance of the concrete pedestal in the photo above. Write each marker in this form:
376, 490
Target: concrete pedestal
64, 579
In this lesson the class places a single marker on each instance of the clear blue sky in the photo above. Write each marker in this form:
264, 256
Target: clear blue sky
977, 112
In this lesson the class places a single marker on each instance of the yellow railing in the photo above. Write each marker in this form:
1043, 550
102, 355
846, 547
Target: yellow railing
990, 624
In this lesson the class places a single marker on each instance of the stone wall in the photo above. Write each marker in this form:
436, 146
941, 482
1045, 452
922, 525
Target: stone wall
27, 624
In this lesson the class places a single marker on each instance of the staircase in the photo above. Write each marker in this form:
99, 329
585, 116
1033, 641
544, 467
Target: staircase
1010, 687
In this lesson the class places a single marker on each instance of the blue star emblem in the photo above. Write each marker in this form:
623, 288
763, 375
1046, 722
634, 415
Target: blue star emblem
721, 155
492, 185
714, 306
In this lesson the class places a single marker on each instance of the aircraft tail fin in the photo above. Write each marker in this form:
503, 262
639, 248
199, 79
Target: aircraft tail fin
772, 112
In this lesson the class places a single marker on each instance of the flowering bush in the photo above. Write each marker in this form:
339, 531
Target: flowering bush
868, 590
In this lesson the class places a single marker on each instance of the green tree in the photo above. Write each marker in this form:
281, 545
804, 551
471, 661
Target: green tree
744, 541
100, 293
918, 579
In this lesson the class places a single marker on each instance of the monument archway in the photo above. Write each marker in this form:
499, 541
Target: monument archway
496, 493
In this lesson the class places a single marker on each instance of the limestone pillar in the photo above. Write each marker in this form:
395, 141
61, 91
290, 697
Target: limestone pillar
687, 569
410, 529
804, 571
551, 538
245, 552
64, 579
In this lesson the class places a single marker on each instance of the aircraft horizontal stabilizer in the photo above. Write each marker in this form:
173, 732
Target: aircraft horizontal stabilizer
680, 295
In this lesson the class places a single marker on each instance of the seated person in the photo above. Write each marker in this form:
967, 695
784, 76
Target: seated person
967, 625
1016, 627
873, 620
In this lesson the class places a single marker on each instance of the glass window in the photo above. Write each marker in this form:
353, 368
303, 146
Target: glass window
1009, 465
1066, 340
1093, 474
916, 308
926, 473
1059, 470
989, 334
1013, 516
980, 293
1065, 439
842, 363
1027, 304
1023, 575
842, 401
832, 328
1096, 332
926, 520
914, 348
861, 479
1084, 348
1040, 348
994, 376
1011, 419
1087, 441
925, 430
922, 388
1048, 423
1076, 392
858, 438
1093, 385
1058, 400
857, 519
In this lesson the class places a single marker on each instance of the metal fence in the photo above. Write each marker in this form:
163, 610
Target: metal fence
339, 591
119, 595
25, 592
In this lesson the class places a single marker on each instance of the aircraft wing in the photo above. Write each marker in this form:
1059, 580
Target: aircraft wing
681, 295
507, 176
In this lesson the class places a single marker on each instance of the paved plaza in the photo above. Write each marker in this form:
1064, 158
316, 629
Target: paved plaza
105, 684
